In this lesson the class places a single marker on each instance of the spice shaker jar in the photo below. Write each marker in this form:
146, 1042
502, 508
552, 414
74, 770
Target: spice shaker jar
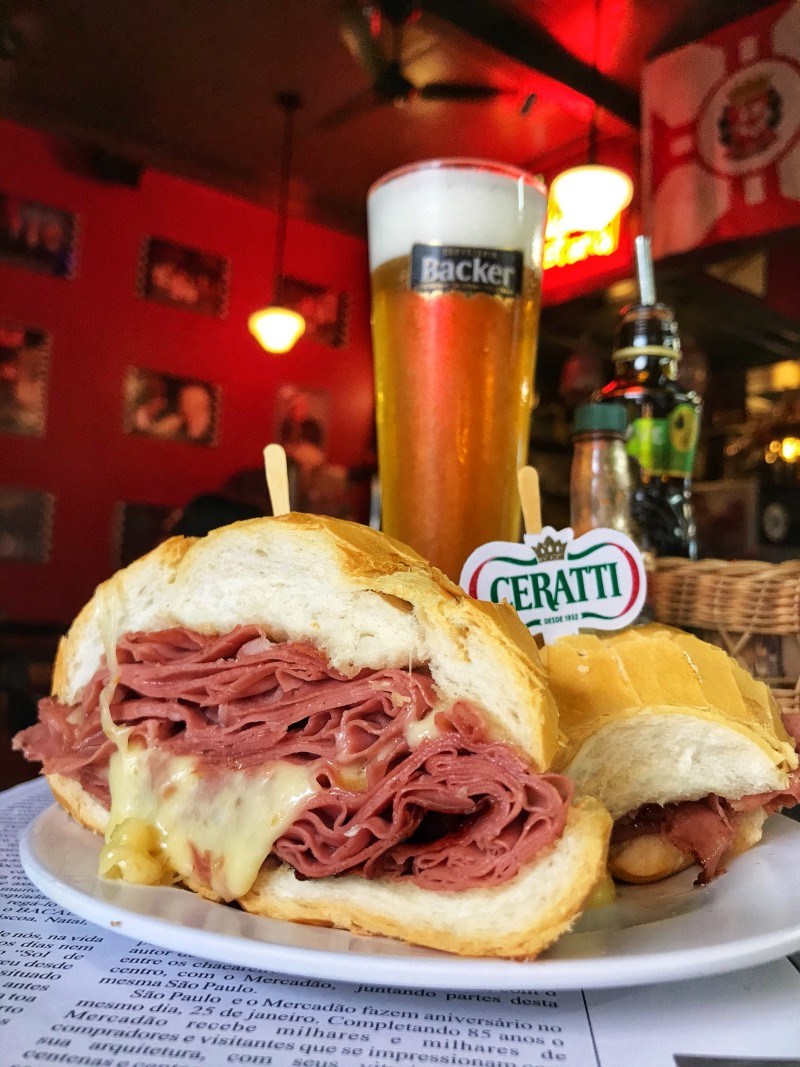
600, 479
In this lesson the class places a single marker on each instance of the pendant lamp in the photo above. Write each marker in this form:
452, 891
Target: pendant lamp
590, 196
278, 328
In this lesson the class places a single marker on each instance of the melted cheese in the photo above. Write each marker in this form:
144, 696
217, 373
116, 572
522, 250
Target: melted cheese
352, 776
108, 616
424, 729
603, 894
135, 852
169, 820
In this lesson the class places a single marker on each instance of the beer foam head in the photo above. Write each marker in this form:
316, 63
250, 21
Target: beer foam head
456, 202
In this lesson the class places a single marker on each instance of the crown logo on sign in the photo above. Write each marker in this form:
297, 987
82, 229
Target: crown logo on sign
549, 550
749, 90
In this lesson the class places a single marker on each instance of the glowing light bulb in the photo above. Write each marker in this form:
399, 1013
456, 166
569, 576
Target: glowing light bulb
276, 329
589, 197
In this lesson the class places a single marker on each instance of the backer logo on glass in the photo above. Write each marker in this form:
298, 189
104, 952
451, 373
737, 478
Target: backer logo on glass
447, 268
558, 583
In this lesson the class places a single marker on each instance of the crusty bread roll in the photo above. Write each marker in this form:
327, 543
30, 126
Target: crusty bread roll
365, 601
361, 597
655, 716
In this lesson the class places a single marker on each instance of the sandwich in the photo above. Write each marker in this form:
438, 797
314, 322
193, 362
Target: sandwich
685, 749
301, 715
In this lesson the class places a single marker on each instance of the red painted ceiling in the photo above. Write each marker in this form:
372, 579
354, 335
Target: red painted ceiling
189, 87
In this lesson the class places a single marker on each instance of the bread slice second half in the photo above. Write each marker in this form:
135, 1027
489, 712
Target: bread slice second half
656, 716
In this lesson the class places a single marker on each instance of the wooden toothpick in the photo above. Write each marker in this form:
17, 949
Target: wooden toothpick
528, 483
277, 478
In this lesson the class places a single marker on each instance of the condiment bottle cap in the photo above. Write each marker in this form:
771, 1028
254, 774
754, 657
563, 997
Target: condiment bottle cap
600, 418
647, 329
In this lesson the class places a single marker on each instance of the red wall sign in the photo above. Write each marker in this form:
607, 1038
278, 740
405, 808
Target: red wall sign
721, 152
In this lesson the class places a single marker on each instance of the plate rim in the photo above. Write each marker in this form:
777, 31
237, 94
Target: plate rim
435, 970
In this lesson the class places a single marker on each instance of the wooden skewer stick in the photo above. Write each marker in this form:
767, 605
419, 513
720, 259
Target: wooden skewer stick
528, 483
277, 478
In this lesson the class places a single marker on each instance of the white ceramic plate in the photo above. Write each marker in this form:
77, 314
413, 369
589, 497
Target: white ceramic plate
651, 934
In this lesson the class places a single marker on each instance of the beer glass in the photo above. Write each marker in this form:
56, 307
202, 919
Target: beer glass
455, 251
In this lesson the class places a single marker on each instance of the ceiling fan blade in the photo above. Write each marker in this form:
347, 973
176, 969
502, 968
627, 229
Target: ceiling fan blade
465, 92
355, 31
350, 109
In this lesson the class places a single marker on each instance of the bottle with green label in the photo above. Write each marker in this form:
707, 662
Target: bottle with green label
663, 420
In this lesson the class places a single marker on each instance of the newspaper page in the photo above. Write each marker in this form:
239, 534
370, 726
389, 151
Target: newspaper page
74, 993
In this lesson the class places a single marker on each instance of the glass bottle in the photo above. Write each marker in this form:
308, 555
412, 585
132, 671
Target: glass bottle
600, 478
663, 420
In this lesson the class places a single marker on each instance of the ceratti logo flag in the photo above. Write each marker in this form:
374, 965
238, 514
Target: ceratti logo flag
559, 583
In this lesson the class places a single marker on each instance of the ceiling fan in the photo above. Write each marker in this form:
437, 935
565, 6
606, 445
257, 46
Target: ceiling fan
361, 27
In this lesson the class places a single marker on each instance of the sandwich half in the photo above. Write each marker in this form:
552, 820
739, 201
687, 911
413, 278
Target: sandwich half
685, 749
301, 715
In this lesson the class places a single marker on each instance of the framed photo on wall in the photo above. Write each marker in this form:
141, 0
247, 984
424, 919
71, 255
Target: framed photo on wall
26, 524
170, 408
325, 311
301, 426
183, 277
37, 237
138, 529
301, 418
24, 367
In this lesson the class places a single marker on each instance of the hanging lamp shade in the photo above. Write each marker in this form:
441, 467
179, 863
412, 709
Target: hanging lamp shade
276, 328
590, 196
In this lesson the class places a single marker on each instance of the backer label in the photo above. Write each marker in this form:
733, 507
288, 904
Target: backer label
449, 268
558, 583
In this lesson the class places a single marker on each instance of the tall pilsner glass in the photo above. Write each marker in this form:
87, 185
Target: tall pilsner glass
455, 255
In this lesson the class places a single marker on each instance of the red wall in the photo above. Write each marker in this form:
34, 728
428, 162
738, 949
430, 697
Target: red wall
99, 327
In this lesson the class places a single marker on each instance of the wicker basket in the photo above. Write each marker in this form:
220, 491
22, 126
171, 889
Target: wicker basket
749, 608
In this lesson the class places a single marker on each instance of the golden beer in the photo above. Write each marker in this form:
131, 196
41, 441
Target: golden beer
454, 327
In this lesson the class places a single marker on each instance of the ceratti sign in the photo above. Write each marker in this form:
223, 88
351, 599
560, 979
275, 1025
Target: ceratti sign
559, 583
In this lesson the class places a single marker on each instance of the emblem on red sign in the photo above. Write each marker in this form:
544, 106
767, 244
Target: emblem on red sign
722, 133
560, 584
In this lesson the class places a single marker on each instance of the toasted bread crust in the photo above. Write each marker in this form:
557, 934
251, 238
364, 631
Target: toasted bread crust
81, 805
161, 563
